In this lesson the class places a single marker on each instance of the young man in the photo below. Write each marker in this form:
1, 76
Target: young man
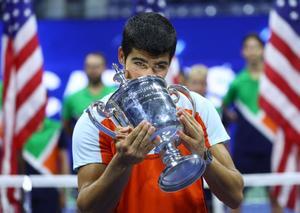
121, 175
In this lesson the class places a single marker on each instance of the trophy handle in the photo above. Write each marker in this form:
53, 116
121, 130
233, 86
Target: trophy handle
98, 108
173, 90
120, 75
118, 115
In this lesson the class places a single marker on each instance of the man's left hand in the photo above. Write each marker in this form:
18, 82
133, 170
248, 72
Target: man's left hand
192, 137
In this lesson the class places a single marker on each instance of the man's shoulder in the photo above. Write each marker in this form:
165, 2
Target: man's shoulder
109, 89
201, 99
243, 74
76, 94
84, 125
201, 103
106, 97
52, 122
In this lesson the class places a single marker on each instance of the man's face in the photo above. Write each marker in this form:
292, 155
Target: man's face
252, 51
94, 67
197, 84
140, 63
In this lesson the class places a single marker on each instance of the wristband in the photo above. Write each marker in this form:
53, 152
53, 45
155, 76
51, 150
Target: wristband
208, 157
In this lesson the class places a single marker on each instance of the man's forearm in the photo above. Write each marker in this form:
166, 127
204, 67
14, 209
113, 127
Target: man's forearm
105, 192
226, 184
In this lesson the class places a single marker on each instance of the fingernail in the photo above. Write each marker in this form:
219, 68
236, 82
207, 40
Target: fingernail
179, 132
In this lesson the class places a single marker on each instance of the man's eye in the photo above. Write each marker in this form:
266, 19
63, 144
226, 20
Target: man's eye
140, 64
161, 67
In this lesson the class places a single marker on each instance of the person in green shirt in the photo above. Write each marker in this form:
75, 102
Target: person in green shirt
74, 105
243, 93
252, 147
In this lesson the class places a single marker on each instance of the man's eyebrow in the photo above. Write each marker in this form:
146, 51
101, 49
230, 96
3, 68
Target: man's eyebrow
162, 63
139, 59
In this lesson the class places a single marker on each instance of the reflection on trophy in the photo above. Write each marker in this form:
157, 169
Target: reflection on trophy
149, 98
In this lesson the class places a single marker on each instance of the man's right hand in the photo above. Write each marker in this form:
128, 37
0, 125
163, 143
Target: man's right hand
134, 144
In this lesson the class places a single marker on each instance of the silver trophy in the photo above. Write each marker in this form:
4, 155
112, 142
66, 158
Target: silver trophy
149, 98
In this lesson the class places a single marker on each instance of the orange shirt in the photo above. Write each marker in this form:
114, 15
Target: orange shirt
142, 193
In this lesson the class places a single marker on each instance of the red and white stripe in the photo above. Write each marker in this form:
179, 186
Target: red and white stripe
24, 97
280, 98
280, 91
286, 158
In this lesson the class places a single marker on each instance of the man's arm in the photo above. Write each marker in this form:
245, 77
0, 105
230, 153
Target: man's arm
221, 176
101, 186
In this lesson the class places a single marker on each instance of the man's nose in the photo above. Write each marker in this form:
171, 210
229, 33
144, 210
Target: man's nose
149, 71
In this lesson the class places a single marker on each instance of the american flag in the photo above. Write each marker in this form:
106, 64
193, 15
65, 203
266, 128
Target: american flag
280, 92
24, 96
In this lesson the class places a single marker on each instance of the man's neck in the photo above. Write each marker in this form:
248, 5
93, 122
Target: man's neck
95, 88
255, 69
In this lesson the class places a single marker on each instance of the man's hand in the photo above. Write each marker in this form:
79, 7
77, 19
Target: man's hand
134, 144
192, 137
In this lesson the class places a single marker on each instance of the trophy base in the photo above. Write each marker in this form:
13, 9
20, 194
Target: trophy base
181, 173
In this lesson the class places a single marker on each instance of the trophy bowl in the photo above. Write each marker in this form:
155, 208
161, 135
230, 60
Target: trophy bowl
149, 98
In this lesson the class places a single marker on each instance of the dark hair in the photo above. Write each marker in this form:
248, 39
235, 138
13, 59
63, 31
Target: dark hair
150, 32
253, 36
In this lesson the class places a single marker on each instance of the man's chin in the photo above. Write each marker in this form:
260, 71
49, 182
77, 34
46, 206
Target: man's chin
95, 82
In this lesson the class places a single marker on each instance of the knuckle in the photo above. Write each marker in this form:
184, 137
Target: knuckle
140, 156
130, 151
122, 146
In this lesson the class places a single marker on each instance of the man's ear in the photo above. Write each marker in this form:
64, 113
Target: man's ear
121, 56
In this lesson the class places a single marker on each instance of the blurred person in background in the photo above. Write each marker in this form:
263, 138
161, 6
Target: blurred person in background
121, 174
45, 153
74, 104
252, 147
197, 79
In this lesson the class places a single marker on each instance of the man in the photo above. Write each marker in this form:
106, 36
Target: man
74, 104
197, 79
120, 175
252, 145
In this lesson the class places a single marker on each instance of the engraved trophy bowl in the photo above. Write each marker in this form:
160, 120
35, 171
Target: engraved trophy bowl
149, 98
